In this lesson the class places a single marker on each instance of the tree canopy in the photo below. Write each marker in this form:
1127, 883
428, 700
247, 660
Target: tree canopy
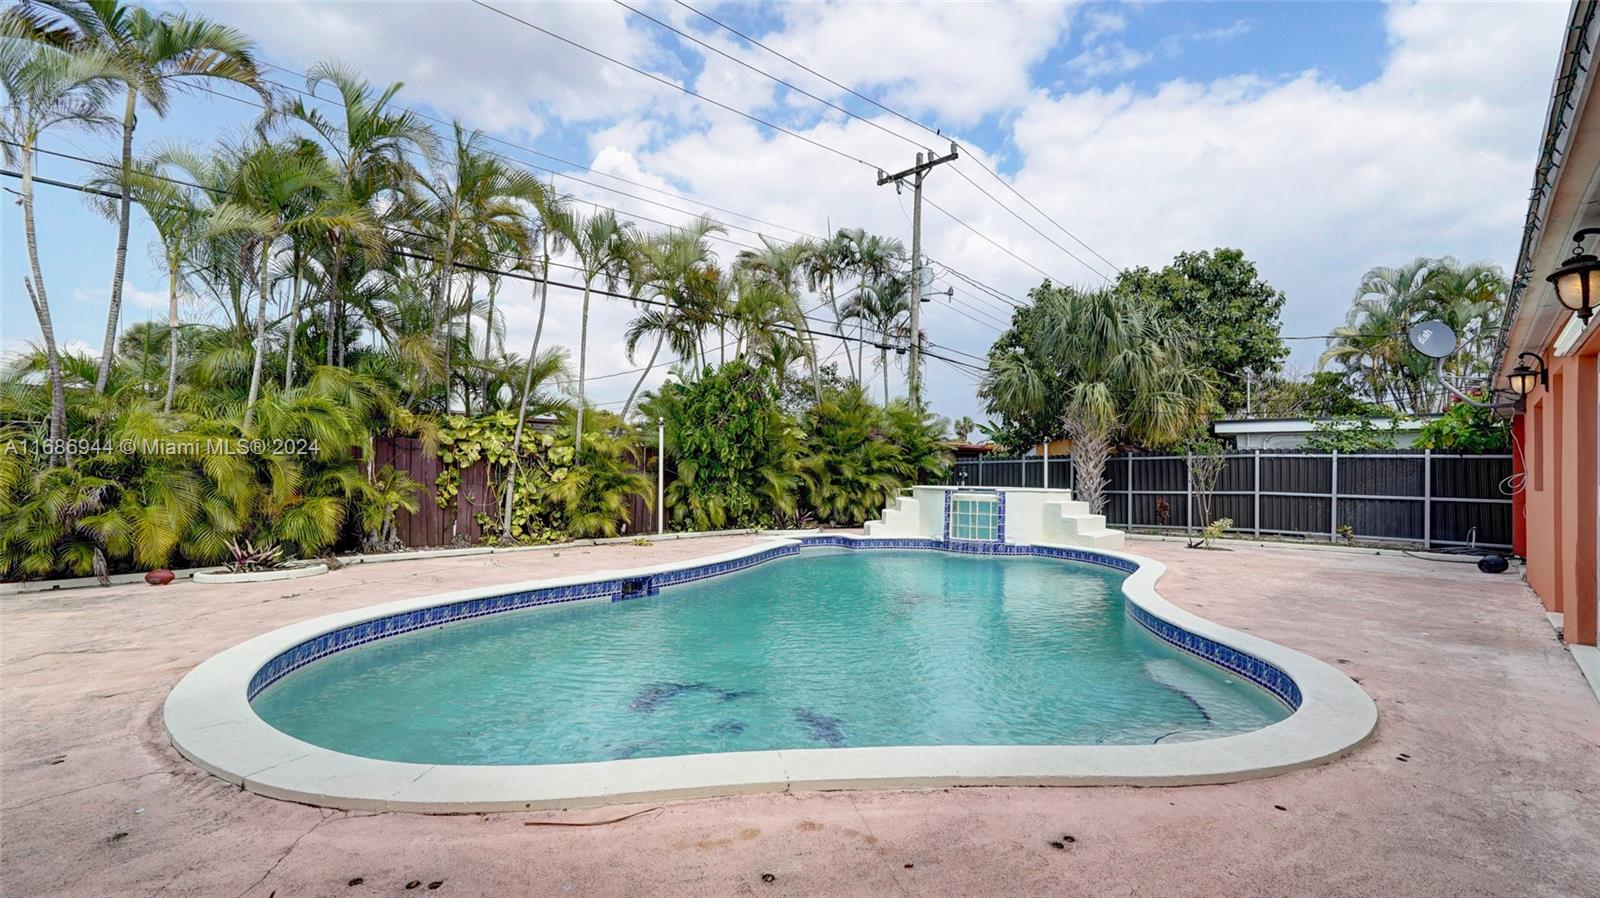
1229, 311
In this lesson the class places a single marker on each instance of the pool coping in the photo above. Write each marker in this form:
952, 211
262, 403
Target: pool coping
209, 720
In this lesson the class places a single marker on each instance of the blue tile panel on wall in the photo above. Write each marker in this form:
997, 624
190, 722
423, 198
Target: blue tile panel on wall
1254, 669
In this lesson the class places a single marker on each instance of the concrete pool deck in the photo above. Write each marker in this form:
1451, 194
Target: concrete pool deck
1483, 778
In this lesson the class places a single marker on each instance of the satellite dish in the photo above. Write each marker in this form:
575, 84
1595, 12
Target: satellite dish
1433, 339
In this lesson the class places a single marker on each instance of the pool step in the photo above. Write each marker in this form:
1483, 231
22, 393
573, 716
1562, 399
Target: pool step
1068, 522
899, 519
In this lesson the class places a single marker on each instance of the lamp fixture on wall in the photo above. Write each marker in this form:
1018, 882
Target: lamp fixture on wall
1577, 281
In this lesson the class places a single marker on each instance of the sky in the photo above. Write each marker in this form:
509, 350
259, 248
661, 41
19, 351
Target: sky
1322, 139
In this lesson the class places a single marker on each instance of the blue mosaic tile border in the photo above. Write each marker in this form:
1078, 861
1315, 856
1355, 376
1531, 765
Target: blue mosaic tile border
974, 547
1267, 676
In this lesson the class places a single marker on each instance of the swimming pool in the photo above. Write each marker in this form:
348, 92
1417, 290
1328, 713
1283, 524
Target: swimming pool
826, 649
801, 662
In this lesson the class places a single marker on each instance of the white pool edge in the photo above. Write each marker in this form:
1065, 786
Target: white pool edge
209, 720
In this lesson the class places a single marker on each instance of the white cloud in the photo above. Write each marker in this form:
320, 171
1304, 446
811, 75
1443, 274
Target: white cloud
1108, 59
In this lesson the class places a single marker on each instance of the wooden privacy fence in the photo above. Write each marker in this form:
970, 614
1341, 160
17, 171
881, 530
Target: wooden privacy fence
456, 524
1414, 497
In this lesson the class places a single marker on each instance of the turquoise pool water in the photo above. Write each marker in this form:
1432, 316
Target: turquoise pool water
832, 647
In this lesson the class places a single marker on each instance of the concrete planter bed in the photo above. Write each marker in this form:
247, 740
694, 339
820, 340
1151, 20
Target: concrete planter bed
292, 571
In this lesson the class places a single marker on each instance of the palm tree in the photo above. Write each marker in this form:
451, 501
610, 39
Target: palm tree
884, 306
826, 260
182, 218
147, 54
780, 266
371, 147
767, 326
962, 427
1373, 340
554, 224
475, 198
46, 88
1123, 374
607, 251
283, 191
873, 260
680, 267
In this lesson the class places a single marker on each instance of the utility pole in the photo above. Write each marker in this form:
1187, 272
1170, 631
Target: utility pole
916, 173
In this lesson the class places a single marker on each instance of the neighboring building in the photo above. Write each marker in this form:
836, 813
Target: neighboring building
1555, 445
973, 451
1060, 447
1290, 433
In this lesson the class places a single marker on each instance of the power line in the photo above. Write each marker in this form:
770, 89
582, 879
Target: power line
1075, 257
540, 153
571, 177
844, 87
991, 242
768, 75
905, 118
528, 165
676, 86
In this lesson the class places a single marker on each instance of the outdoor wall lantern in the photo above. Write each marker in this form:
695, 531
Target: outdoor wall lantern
1523, 379
1577, 281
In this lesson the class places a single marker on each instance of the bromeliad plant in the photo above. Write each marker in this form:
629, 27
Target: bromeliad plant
246, 558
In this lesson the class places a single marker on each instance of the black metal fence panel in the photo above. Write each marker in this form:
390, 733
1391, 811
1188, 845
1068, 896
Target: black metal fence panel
1401, 496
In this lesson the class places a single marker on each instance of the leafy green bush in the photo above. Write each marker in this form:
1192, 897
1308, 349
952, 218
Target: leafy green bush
554, 498
1351, 433
730, 447
857, 455
1466, 428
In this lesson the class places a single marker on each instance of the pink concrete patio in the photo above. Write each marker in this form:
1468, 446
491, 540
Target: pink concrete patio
1483, 779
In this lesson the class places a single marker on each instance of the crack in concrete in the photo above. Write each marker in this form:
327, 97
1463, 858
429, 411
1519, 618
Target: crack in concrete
286, 852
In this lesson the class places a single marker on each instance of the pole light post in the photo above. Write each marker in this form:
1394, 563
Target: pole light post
661, 475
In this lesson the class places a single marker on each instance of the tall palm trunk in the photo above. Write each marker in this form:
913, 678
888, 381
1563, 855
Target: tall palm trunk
328, 319
262, 287
527, 387
172, 332
1091, 446
443, 308
294, 321
124, 207
649, 366
41, 308
583, 361
838, 328
466, 342
488, 338
816, 369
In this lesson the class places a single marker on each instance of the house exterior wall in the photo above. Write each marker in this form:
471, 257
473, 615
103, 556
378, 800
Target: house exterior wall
1561, 488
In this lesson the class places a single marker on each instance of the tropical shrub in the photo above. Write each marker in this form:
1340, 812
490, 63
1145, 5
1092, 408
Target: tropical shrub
552, 497
1466, 428
1351, 433
858, 455
730, 447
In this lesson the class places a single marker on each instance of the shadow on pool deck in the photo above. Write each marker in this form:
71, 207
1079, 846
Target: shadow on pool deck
1484, 778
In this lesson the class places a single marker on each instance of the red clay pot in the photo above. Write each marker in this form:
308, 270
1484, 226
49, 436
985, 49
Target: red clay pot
158, 577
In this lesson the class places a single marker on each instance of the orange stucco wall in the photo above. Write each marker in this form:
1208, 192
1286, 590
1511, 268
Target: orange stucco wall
1561, 456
